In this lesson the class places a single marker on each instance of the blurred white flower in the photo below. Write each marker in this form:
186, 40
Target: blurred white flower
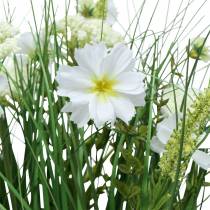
164, 131
7, 47
111, 13
4, 86
7, 31
27, 43
103, 86
11, 73
81, 31
11, 63
8, 43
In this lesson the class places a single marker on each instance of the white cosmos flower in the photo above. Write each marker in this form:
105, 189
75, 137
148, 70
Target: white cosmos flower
27, 42
10, 74
7, 39
103, 87
164, 131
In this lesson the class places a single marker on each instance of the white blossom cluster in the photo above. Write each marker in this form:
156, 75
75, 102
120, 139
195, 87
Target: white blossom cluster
82, 30
7, 39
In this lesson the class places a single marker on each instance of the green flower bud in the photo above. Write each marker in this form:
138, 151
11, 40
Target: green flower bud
199, 50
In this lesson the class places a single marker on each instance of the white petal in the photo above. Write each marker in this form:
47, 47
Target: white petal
73, 83
129, 82
4, 86
80, 114
123, 107
169, 122
164, 133
74, 73
101, 111
64, 68
156, 145
93, 112
137, 100
78, 96
11, 64
111, 13
105, 111
202, 159
120, 59
67, 107
91, 56
1, 112
165, 128
26, 43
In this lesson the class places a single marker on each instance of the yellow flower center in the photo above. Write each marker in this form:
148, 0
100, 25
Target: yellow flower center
103, 86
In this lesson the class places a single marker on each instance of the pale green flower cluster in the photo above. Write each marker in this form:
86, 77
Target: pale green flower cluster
7, 39
13, 70
88, 8
199, 50
83, 30
101, 9
197, 118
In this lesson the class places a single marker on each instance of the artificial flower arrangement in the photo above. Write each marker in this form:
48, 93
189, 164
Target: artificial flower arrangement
98, 117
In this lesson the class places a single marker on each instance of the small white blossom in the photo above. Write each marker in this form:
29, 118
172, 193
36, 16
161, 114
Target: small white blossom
4, 86
91, 32
7, 31
8, 43
9, 75
7, 47
103, 87
27, 43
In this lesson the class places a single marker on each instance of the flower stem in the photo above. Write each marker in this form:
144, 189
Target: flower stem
149, 135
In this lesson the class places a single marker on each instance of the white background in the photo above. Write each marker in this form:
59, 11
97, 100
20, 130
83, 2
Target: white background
126, 11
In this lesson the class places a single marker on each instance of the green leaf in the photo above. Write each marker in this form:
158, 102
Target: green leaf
163, 102
103, 138
15, 192
128, 191
124, 168
122, 127
134, 191
206, 184
162, 202
2, 207
131, 163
